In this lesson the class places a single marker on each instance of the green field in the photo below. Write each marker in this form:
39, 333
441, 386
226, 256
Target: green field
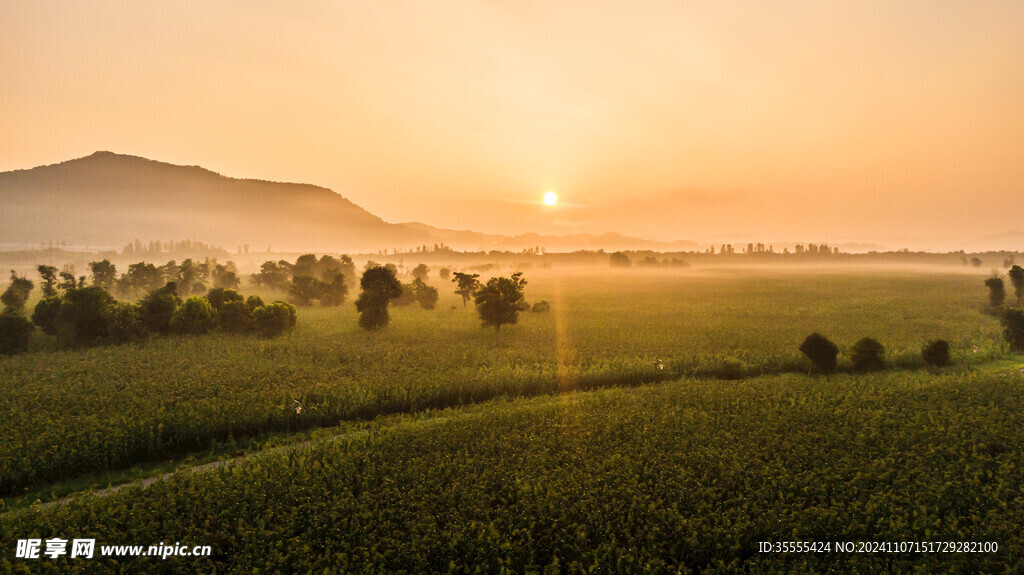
689, 472
68, 412
677, 477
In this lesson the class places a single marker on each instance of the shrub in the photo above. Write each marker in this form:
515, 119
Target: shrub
253, 302
158, 306
541, 307
126, 323
868, 355
936, 353
1013, 328
15, 332
406, 297
274, 319
196, 316
821, 352
45, 314
219, 296
236, 317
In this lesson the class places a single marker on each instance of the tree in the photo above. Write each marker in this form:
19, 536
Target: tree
936, 353
867, 354
84, 316
541, 307
333, 293
1013, 328
274, 319
996, 291
305, 265
195, 316
445, 273
1017, 280
500, 300
158, 307
821, 352
16, 294
619, 260
224, 276
976, 262
46, 313
379, 286
420, 272
49, 277
219, 296
426, 295
15, 332
104, 273
305, 289
467, 284
144, 276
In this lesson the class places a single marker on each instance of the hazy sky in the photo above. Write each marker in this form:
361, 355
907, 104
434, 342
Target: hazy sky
812, 121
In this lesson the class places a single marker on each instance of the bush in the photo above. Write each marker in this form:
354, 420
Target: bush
821, 352
406, 297
236, 317
45, 315
15, 332
274, 319
936, 353
196, 316
1013, 328
868, 355
126, 323
219, 296
253, 302
541, 307
158, 306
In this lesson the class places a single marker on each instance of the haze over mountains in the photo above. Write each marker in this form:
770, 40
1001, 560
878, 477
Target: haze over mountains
107, 200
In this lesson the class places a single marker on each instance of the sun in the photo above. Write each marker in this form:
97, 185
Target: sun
550, 198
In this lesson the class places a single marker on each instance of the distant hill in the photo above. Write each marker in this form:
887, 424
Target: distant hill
109, 199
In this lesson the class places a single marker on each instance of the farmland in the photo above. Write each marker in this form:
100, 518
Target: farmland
68, 412
676, 477
700, 432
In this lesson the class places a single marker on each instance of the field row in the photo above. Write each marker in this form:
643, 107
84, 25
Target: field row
680, 477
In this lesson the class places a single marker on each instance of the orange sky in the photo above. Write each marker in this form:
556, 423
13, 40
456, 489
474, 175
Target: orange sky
811, 121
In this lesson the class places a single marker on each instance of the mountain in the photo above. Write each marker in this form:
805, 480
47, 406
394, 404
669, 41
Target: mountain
109, 199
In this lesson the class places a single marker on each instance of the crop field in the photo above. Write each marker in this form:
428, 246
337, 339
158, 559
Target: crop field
70, 412
678, 477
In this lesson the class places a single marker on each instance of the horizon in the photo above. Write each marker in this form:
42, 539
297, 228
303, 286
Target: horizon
839, 124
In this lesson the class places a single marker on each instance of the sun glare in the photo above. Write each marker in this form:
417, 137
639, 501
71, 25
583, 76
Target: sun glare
550, 198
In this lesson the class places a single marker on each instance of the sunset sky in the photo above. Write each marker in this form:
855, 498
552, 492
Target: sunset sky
810, 121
